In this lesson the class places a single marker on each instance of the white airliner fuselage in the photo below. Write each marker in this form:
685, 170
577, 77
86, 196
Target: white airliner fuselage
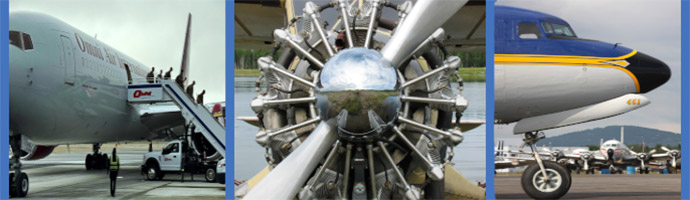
620, 150
67, 87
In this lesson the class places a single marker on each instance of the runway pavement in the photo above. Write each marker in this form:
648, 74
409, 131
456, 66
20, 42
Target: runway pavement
64, 176
598, 186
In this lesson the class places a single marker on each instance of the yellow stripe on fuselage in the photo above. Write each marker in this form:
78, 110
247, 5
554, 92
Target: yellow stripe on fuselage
588, 61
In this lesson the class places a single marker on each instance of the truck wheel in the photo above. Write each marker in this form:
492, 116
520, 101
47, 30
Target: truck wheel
153, 172
210, 174
535, 186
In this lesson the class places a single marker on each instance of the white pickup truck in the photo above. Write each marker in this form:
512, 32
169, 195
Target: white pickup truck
176, 157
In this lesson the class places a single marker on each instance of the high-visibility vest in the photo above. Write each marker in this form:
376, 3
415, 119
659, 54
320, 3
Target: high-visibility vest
114, 162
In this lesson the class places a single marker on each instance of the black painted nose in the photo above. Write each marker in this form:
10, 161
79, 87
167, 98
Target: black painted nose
650, 72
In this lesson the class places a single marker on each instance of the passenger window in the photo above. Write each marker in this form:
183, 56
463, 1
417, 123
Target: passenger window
15, 39
528, 31
27, 41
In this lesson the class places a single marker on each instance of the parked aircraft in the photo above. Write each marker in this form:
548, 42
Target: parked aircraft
547, 77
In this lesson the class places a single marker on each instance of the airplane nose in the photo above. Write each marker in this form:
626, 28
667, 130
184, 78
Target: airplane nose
650, 72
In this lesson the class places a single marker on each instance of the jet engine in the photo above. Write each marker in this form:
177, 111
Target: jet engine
31, 151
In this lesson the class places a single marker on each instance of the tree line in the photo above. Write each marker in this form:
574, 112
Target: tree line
246, 59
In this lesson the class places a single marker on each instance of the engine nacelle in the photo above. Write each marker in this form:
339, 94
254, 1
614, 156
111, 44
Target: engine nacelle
31, 151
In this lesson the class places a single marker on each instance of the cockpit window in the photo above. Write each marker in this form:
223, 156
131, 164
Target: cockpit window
21, 40
558, 29
528, 30
27, 41
15, 39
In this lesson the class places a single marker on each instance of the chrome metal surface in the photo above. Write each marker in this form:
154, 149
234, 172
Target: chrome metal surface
267, 64
290, 101
434, 171
285, 181
417, 26
263, 137
372, 170
356, 80
372, 19
283, 36
307, 192
410, 193
346, 182
343, 13
312, 10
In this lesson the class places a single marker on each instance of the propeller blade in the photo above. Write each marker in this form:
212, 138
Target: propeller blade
286, 180
586, 165
665, 149
652, 151
642, 164
673, 162
417, 26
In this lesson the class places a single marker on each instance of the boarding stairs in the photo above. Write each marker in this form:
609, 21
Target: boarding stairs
196, 114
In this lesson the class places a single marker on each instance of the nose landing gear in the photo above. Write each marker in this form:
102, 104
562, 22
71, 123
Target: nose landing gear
543, 179
19, 181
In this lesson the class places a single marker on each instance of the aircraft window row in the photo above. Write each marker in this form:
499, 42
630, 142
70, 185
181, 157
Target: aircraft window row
528, 30
21, 40
558, 29
93, 65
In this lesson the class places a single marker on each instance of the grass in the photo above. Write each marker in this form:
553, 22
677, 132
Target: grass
468, 74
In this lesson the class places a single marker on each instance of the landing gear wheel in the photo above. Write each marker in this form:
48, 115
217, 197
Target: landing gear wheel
103, 163
88, 161
210, 174
19, 186
153, 173
535, 185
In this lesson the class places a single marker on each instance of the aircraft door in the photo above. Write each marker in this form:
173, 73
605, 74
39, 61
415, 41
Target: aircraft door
68, 57
129, 74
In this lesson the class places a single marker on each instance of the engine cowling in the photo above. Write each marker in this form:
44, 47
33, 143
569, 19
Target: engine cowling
31, 151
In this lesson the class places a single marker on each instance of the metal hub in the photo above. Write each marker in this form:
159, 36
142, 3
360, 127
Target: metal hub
548, 183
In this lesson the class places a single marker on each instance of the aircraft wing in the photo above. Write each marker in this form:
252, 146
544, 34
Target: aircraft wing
256, 20
511, 162
466, 29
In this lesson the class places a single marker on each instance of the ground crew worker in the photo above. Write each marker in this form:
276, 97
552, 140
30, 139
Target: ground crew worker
160, 76
113, 169
167, 74
190, 90
200, 97
180, 80
150, 75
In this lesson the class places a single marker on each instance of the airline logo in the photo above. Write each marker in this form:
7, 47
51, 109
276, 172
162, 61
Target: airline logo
145, 94
139, 93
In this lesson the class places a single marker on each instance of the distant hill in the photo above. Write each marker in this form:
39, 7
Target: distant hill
633, 135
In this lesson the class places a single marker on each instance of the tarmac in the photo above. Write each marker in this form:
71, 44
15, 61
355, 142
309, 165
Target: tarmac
63, 175
602, 186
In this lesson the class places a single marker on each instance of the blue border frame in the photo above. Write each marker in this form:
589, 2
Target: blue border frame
4, 97
229, 100
490, 194
685, 91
